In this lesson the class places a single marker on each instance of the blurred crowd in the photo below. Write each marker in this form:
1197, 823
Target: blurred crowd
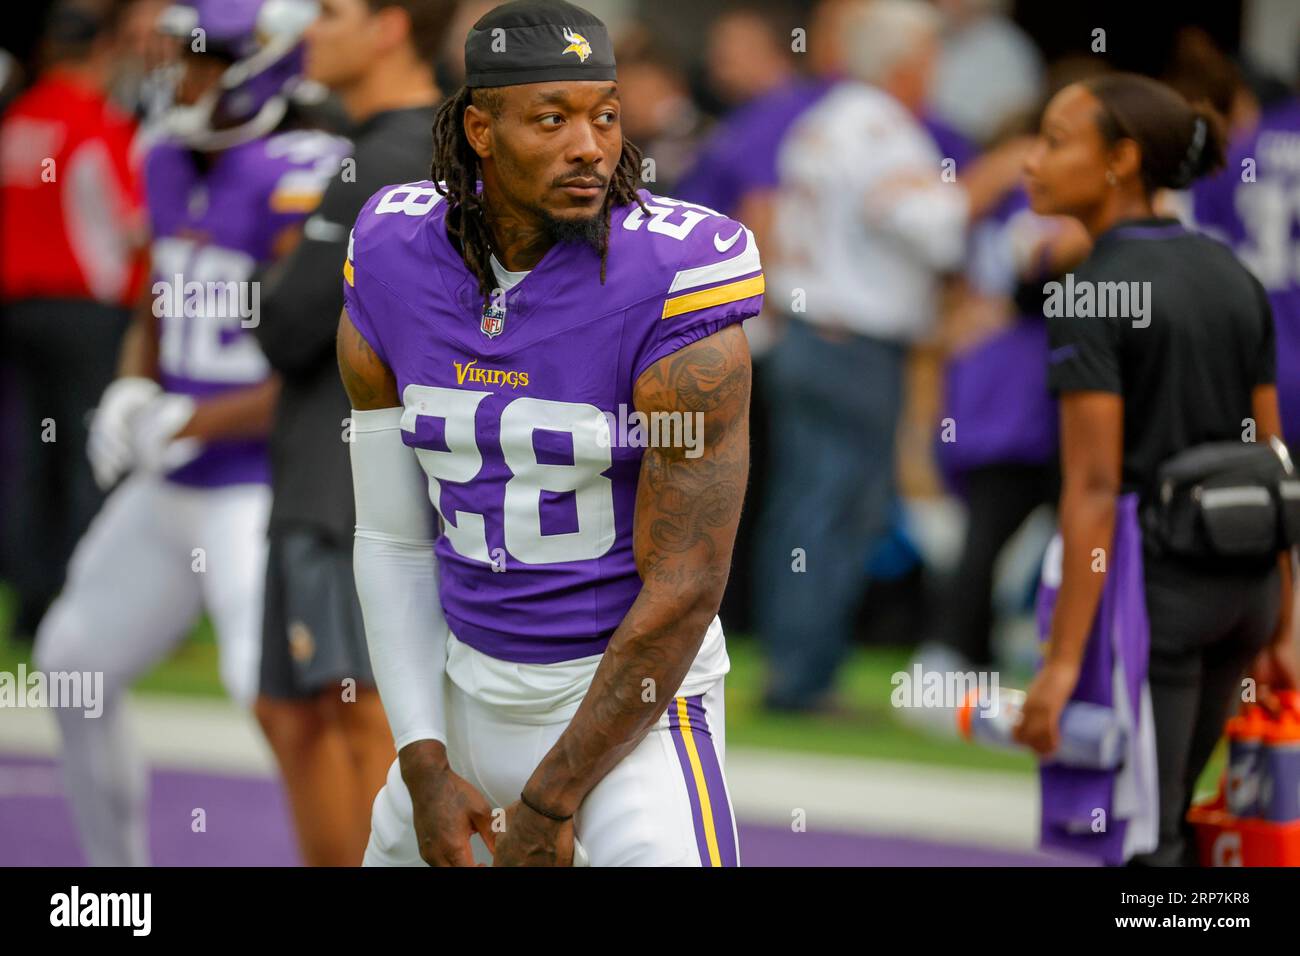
874, 147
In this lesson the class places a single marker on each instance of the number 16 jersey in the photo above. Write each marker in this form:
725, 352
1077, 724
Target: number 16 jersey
521, 411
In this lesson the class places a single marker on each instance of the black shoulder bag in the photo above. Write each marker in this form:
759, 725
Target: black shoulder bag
1225, 501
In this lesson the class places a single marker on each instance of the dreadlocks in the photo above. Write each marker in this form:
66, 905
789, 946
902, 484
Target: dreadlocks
455, 174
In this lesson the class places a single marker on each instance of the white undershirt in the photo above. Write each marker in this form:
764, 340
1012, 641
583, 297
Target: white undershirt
505, 278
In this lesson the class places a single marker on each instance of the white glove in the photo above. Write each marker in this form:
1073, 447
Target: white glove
109, 447
154, 444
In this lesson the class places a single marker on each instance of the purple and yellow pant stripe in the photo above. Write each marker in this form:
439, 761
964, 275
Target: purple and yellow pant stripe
715, 831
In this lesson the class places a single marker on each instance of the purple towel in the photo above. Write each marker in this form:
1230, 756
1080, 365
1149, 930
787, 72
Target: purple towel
1107, 814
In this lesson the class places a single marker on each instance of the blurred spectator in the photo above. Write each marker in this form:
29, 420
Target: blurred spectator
749, 54
449, 72
658, 113
998, 432
142, 82
826, 49
996, 440
988, 70
735, 173
1205, 75
11, 78
864, 227
71, 227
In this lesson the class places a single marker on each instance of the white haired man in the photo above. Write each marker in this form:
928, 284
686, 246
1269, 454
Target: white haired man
866, 224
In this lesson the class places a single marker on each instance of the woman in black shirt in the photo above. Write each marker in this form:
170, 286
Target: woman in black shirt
1161, 341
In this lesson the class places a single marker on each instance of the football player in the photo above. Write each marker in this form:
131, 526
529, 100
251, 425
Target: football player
186, 420
509, 348
1253, 205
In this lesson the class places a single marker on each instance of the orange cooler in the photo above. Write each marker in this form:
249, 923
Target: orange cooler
1263, 780
1225, 840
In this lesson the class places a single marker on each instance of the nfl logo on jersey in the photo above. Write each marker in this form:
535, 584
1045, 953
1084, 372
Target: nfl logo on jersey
494, 320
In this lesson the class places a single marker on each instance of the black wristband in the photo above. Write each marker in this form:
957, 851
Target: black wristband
543, 813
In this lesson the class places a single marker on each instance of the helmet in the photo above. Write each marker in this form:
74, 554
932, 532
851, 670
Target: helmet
262, 39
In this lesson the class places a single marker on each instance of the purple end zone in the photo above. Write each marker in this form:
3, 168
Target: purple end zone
247, 819
248, 825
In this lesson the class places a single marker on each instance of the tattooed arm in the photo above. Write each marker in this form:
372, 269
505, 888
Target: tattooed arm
687, 510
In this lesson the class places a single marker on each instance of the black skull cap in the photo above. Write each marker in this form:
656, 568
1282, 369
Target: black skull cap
537, 41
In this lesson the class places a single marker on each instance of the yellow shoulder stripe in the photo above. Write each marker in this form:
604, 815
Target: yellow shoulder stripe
732, 291
347, 272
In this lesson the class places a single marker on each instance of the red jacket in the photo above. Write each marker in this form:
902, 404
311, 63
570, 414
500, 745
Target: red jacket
71, 201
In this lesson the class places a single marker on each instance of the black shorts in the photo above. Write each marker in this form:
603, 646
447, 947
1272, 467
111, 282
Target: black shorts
313, 637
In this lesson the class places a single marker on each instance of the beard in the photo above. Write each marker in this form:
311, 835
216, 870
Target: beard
588, 231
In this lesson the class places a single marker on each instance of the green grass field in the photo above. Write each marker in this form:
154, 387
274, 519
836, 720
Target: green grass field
868, 727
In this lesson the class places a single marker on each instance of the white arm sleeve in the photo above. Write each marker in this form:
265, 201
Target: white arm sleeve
397, 577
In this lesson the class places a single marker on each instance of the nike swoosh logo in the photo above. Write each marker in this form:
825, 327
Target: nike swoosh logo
722, 245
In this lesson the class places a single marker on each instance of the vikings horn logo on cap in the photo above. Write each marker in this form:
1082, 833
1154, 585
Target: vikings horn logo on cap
577, 44
537, 41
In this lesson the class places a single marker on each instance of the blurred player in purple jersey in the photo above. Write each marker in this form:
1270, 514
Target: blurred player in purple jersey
554, 360
183, 426
1254, 206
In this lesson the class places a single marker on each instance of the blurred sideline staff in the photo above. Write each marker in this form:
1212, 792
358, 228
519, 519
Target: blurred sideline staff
71, 226
865, 228
1138, 390
333, 751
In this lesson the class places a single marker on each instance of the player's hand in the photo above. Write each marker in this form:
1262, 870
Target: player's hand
447, 811
153, 433
109, 448
1040, 716
531, 839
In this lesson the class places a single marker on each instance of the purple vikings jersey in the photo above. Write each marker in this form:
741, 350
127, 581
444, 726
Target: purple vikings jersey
211, 230
515, 412
1260, 219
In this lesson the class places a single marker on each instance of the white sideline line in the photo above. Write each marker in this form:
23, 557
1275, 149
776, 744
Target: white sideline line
179, 733
977, 807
